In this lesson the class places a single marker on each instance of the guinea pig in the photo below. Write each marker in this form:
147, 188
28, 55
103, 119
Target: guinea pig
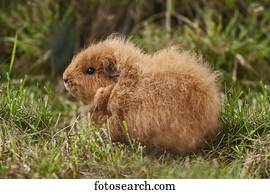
169, 100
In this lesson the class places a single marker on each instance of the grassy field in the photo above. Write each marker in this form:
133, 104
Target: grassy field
40, 132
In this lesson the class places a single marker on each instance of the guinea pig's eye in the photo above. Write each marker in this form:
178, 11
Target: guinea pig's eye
90, 70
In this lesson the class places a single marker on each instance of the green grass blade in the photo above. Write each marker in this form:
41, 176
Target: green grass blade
13, 56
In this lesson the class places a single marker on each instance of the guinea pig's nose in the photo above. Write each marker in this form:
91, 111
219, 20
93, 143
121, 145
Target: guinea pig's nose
65, 80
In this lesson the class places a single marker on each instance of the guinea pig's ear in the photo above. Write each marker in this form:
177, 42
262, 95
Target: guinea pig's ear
110, 68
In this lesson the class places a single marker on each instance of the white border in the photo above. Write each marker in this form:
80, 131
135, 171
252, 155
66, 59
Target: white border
83, 186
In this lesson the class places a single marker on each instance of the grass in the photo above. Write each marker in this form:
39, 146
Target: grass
41, 135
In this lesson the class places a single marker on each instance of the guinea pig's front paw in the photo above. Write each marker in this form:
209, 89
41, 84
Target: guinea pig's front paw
102, 96
99, 98
99, 93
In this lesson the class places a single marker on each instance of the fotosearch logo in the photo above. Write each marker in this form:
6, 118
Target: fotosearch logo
145, 186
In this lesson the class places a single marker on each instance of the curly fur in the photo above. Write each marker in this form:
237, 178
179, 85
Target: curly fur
169, 100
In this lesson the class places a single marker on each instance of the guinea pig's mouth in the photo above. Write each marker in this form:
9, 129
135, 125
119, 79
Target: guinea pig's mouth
71, 89
66, 86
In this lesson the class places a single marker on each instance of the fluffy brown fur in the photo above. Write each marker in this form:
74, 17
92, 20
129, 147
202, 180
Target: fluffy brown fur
169, 100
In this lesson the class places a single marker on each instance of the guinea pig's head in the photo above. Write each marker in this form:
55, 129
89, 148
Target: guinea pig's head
97, 66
